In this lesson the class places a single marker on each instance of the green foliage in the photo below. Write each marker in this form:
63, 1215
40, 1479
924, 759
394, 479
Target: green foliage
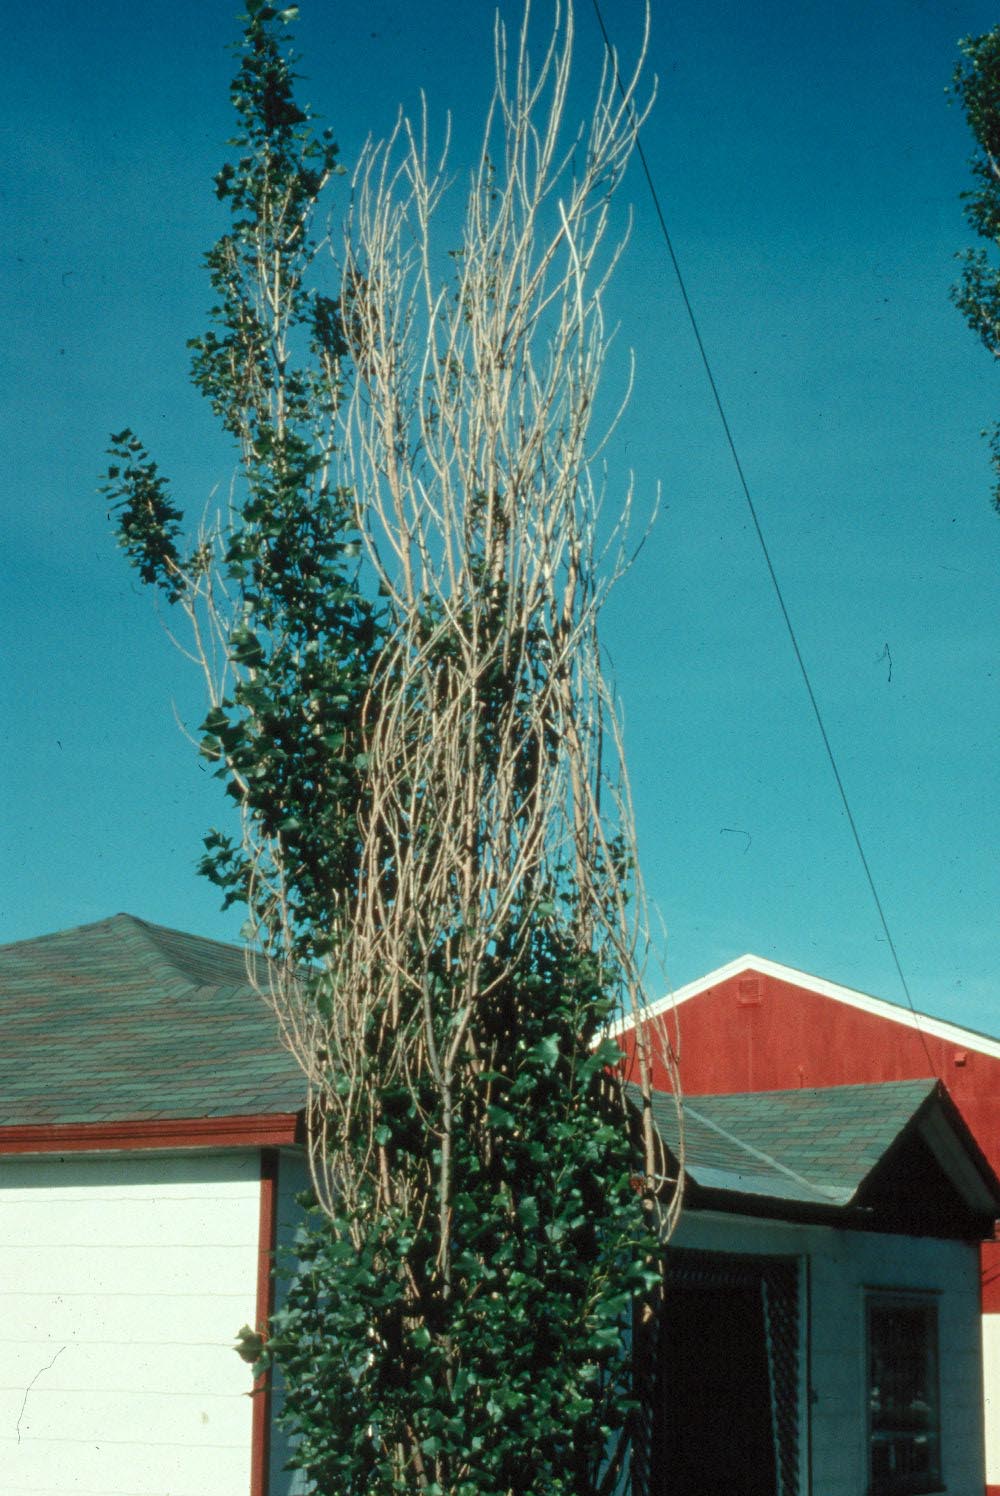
517, 1378
977, 294
466, 1330
149, 525
304, 637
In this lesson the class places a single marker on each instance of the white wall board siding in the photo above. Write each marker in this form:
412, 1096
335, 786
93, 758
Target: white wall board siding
842, 1265
123, 1282
991, 1378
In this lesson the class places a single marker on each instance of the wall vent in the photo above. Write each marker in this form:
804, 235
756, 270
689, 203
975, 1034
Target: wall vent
748, 993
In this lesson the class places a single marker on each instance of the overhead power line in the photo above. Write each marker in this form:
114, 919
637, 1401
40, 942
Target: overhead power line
717, 398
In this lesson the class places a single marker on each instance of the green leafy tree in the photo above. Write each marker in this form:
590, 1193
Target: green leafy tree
396, 618
977, 294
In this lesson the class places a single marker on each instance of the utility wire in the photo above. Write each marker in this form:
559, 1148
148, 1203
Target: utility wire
654, 195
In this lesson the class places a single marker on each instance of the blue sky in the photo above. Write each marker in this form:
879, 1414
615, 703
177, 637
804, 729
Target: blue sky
810, 169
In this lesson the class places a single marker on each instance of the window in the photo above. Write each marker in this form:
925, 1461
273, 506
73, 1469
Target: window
904, 1420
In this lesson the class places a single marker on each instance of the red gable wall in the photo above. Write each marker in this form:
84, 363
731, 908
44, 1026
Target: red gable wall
755, 1032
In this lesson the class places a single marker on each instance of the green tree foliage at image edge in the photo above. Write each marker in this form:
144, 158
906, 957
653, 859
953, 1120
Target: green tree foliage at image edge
977, 294
515, 1374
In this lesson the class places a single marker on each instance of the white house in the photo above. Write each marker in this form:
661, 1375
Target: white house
149, 1126
755, 1025
820, 1333
821, 1329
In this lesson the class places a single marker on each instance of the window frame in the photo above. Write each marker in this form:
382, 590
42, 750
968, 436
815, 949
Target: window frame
924, 1303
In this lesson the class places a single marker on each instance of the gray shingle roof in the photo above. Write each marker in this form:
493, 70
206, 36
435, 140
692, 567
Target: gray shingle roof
809, 1146
127, 1021
124, 1021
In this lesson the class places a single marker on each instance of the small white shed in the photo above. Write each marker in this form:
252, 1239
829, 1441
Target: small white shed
149, 1122
821, 1331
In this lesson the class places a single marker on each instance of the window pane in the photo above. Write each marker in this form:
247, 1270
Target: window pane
904, 1418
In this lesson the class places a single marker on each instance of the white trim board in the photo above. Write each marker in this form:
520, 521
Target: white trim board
952, 1033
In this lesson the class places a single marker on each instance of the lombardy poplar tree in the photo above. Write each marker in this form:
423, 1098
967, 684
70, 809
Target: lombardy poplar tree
977, 294
396, 619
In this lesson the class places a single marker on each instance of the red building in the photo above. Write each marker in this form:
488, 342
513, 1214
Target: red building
756, 1026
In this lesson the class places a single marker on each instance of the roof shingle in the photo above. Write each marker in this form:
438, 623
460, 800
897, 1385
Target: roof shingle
128, 1021
812, 1146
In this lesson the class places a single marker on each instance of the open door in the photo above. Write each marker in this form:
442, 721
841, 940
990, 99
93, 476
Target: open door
725, 1391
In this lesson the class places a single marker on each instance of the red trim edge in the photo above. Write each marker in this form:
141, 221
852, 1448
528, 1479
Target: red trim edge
260, 1439
264, 1130
989, 1292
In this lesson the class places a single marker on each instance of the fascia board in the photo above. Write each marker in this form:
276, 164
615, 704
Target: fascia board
264, 1130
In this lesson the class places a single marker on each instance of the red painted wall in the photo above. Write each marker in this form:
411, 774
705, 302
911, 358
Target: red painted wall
753, 1032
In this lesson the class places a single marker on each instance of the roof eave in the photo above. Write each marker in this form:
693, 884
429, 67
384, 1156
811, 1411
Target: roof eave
849, 1216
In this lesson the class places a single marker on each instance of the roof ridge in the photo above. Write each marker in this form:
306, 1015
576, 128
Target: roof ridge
121, 918
154, 932
91, 924
175, 956
910, 1017
149, 924
195, 959
927, 1081
138, 933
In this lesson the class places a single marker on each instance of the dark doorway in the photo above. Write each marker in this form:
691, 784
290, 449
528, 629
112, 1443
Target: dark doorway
714, 1431
725, 1395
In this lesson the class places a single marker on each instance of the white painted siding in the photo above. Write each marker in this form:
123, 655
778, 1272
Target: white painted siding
123, 1282
842, 1265
991, 1380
